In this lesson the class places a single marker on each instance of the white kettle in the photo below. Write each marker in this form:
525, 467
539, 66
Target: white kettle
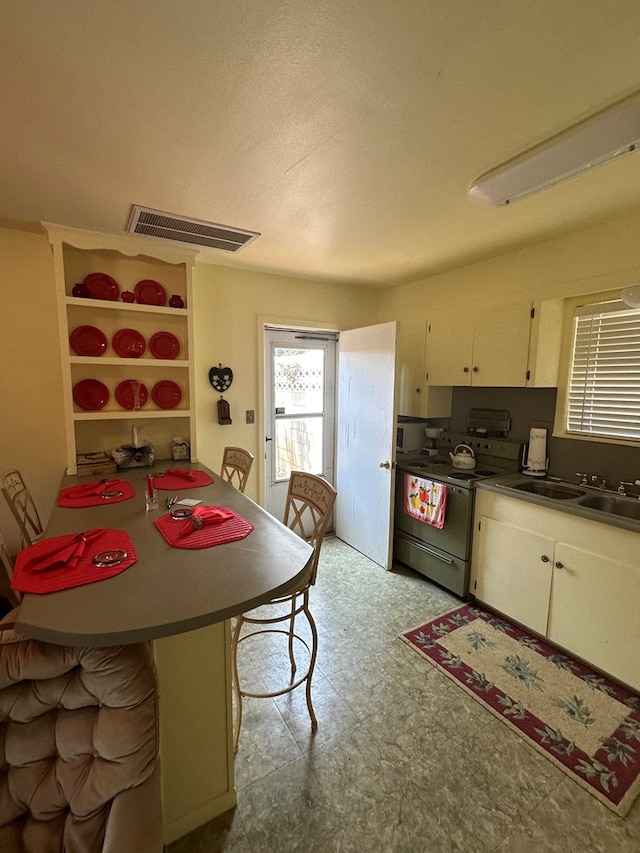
463, 457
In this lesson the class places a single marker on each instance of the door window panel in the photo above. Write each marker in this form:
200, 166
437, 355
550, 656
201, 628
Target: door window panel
298, 376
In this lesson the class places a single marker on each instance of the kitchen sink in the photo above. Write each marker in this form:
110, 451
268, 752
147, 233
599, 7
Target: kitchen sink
626, 507
555, 491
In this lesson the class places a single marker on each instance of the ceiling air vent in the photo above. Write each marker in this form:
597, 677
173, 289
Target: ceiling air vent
181, 229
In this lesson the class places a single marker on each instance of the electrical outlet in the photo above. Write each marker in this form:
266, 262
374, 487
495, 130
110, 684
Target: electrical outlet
251, 416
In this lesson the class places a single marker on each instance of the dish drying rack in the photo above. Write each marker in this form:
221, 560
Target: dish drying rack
496, 422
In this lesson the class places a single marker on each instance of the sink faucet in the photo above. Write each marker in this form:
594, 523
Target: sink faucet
594, 480
622, 488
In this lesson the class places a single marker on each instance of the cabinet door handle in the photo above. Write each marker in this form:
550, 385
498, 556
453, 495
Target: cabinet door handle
544, 558
475, 369
559, 565
386, 465
465, 369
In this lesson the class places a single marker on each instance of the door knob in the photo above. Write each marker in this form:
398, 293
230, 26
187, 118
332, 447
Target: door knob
385, 465
559, 565
544, 558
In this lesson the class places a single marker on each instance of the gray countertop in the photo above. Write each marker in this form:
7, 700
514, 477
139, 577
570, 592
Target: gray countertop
169, 590
503, 485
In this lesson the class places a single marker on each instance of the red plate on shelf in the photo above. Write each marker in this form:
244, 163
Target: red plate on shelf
166, 394
90, 395
88, 340
150, 292
128, 343
164, 345
131, 394
102, 286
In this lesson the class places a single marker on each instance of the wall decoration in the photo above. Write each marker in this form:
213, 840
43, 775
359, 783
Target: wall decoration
220, 378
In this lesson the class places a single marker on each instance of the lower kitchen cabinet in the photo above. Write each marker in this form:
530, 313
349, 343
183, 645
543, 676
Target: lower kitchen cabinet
578, 584
594, 610
515, 579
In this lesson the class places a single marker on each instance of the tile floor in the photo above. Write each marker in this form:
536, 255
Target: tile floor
403, 761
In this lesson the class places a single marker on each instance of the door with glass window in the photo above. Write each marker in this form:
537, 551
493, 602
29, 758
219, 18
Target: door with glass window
300, 404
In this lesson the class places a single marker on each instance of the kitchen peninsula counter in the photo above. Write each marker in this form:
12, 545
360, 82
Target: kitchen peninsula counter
182, 599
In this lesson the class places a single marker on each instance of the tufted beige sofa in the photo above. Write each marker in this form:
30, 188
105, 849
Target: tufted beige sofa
79, 767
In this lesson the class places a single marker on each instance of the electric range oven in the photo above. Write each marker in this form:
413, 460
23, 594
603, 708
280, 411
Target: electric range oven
443, 554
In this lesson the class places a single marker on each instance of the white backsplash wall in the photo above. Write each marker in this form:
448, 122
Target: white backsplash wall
535, 407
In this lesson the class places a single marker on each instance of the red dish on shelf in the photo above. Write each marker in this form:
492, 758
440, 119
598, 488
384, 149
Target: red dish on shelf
166, 394
150, 292
90, 395
131, 394
102, 286
164, 345
88, 340
127, 343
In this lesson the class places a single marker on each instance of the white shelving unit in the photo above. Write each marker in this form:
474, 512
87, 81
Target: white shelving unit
128, 261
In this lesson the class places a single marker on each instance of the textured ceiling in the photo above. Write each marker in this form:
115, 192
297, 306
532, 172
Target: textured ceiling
346, 133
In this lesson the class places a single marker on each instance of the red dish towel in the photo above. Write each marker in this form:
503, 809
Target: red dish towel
175, 479
96, 494
425, 500
220, 525
66, 561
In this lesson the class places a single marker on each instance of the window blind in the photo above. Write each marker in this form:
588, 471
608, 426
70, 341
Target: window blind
604, 388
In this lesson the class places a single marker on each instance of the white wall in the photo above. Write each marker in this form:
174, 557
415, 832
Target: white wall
31, 412
231, 307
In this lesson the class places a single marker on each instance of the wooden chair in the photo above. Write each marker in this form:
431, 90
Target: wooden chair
6, 573
308, 509
22, 506
236, 465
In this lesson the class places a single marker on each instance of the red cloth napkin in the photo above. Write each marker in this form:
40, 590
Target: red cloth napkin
92, 494
183, 473
175, 479
207, 515
220, 525
66, 561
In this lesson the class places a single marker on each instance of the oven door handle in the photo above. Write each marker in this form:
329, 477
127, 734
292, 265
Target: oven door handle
421, 547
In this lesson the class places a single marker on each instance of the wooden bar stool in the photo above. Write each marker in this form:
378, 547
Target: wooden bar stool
22, 506
308, 509
6, 573
236, 466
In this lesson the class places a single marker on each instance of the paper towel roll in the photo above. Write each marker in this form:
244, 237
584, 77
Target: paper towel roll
537, 455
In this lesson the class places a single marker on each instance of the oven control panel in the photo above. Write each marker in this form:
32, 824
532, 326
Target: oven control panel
499, 448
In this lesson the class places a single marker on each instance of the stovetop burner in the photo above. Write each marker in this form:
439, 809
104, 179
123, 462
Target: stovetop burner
493, 456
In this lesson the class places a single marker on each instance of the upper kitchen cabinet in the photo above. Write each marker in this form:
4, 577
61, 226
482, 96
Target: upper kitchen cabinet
415, 397
126, 340
514, 345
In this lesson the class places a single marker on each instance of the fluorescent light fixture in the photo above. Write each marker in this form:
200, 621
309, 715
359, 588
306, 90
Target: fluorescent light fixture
603, 137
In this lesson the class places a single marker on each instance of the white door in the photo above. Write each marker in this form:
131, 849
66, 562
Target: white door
365, 452
300, 406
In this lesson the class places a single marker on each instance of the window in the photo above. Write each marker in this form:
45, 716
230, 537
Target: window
604, 384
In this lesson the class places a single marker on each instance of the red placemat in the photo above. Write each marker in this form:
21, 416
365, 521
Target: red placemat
95, 494
175, 479
65, 561
180, 533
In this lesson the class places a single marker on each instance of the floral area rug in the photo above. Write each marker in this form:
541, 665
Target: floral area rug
586, 724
